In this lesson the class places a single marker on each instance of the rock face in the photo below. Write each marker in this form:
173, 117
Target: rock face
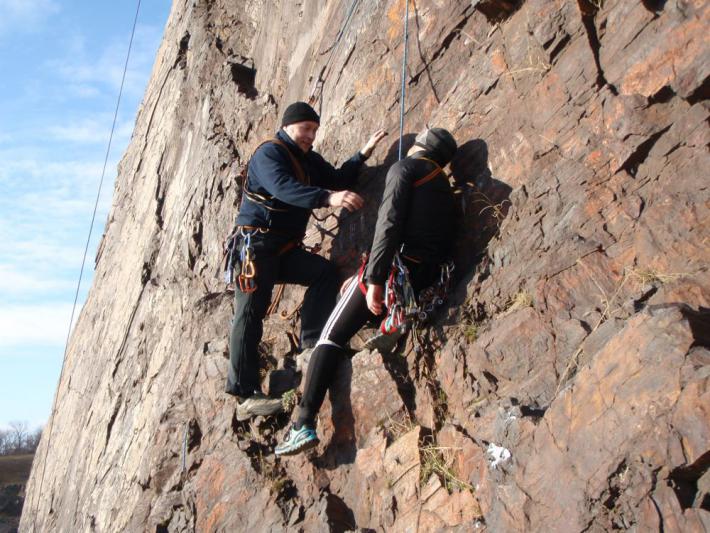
564, 387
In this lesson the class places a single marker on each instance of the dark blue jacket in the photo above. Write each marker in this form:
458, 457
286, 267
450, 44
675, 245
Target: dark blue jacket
271, 174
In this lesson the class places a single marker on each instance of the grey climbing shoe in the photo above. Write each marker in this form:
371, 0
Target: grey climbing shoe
297, 441
258, 405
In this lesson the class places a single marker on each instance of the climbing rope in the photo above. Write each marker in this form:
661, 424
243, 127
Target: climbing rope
315, 94
317, 90
403, 93
83, 263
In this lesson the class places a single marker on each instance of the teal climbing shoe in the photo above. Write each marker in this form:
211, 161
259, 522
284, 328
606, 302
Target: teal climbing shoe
297, 441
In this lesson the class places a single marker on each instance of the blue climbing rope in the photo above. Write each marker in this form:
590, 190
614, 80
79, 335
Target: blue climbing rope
404, 76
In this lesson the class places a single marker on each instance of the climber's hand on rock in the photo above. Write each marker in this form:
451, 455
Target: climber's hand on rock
351, 201
372, 142
374, 298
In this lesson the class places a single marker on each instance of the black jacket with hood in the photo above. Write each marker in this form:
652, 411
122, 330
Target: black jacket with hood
420, 220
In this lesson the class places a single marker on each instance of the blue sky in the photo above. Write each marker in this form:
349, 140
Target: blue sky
60, 71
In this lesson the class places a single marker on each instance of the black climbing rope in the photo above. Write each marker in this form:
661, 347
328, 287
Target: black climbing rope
81, 272
317, 91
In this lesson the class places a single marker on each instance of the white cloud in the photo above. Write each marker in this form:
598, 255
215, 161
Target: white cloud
88, 130
16, 280
50, 178
44, 324
82, 90
93, 130
97, 74
25, 15
45, 255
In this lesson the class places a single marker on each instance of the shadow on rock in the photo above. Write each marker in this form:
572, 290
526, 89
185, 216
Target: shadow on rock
484, 202
354, 232
341, 448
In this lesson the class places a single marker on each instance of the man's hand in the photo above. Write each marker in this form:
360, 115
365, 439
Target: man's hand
374, 298
372, 142
351, 201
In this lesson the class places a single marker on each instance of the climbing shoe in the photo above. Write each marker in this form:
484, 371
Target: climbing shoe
258, 405
297, 441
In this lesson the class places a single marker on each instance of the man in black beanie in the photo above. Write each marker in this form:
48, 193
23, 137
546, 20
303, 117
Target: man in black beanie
285, 181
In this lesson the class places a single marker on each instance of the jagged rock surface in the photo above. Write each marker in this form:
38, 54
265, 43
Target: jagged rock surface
566, 386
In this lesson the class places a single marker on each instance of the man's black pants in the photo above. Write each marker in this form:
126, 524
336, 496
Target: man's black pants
275, 266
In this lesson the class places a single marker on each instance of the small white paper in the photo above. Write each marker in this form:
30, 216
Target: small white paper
497, 455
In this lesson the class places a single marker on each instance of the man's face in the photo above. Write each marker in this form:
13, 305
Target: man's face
303, 134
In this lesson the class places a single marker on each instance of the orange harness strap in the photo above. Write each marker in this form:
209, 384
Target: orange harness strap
434, 173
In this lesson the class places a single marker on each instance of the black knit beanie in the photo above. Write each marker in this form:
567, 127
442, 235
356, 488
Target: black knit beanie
299, 112
438, 141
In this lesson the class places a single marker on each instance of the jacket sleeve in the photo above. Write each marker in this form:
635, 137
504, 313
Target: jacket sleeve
272, 170
338, 179
391, 217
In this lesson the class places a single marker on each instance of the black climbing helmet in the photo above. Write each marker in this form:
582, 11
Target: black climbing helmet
438, 141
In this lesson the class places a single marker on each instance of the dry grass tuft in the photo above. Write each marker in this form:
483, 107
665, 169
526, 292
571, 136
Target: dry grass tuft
289, 400
521, 300
396, 427
438, 460
471, 332
648, 276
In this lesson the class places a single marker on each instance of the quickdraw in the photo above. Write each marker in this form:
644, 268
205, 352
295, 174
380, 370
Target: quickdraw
404, 308
435, 295
239, 245
230, 253
399, 298
247, 274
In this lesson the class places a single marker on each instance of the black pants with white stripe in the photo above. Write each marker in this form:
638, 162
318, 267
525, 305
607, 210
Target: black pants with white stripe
349, 315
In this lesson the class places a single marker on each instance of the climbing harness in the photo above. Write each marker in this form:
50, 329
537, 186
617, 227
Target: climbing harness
405, 309
237, 247
265, 199
404, 306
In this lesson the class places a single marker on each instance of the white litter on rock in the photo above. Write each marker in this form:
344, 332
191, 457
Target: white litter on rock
497, 455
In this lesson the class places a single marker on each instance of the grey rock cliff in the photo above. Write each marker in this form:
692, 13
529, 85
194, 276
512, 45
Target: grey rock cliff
564, 388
